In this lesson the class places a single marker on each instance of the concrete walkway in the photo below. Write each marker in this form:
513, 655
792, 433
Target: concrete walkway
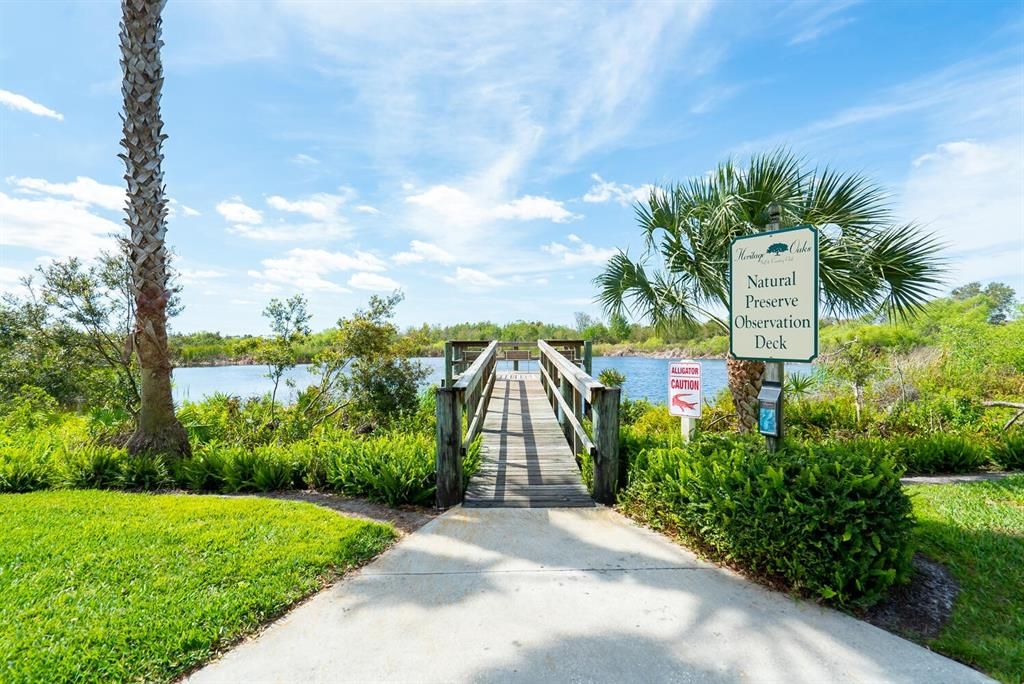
564, 595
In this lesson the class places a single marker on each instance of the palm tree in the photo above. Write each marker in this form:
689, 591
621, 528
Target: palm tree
158, 429
867, 263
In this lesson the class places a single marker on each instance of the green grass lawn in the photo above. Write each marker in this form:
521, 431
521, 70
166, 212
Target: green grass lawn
105, 586
977, 531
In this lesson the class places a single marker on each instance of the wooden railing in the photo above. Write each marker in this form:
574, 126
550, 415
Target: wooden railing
574, 396
565, 366
468, 394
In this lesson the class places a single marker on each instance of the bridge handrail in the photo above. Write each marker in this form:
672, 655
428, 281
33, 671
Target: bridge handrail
573, 395
483, 370
576, 376
569, 413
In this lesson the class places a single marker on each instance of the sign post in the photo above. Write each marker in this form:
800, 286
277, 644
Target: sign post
684, 394
773, 293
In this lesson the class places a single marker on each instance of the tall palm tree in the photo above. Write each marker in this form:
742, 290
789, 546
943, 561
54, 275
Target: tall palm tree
158, 429
866, 261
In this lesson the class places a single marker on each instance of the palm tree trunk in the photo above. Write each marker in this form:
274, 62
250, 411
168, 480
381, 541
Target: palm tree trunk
744, 383
158, 429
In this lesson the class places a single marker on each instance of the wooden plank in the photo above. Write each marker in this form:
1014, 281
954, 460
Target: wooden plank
525, 460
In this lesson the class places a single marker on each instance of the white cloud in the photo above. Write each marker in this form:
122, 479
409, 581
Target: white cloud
423, 251
304, 160
320, 206
236, 211
192, 276
324, 210
969, 193
189, 211
61, 228
82, 189
10, 280
531, 208
367, 209
306, 269
816, 21
608, 191
580, 253
21, 103
470, 278
373, 281
463, 209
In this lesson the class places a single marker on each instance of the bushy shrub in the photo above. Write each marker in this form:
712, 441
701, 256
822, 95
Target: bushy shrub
393, 468
835, 523
1008, 451
925, 455
23, 468
204, 472
31, 408
92, 466
145, 471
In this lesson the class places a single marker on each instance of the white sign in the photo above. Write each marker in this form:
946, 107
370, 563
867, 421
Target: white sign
773, 289
684, 397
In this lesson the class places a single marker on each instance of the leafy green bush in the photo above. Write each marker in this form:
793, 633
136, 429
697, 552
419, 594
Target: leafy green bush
393, 468
23, 468
92, 467
1008, 451
145, 472
204, 472
834, 523
925, 455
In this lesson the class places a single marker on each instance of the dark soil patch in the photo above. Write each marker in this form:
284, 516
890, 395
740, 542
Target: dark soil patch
407, 518
920, 608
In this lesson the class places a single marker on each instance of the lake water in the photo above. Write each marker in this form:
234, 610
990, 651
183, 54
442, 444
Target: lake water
645, 378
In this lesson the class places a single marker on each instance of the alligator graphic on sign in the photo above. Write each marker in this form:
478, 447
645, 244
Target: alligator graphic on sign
777, 248
683, 404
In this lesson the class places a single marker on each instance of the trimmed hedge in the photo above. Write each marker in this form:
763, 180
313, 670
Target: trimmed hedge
832, 523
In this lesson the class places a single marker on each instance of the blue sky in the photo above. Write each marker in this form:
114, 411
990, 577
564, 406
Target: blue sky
484, 157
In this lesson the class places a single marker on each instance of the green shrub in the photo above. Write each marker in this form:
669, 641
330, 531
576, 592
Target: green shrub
393, 468
23, 469
273, 470
204, 472
145, 471
31, 408
926, 455
834, 523
309, 464
1008, 451
92, 467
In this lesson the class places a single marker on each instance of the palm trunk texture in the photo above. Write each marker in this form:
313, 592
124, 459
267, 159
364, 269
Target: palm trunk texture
158, 429
744, 384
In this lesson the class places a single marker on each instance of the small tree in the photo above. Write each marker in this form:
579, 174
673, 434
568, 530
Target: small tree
857, 364
619, 328
289, 322
367, 368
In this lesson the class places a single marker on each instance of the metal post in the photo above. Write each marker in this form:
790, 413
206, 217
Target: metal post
775, 371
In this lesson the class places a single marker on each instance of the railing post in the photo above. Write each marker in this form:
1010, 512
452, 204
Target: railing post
447, 364
605, 402
588, 357
565, 389
449, 447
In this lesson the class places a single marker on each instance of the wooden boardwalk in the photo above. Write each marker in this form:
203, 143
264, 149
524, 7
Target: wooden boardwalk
525, 459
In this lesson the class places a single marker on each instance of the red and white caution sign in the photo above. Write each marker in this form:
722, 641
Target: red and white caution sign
684, 389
